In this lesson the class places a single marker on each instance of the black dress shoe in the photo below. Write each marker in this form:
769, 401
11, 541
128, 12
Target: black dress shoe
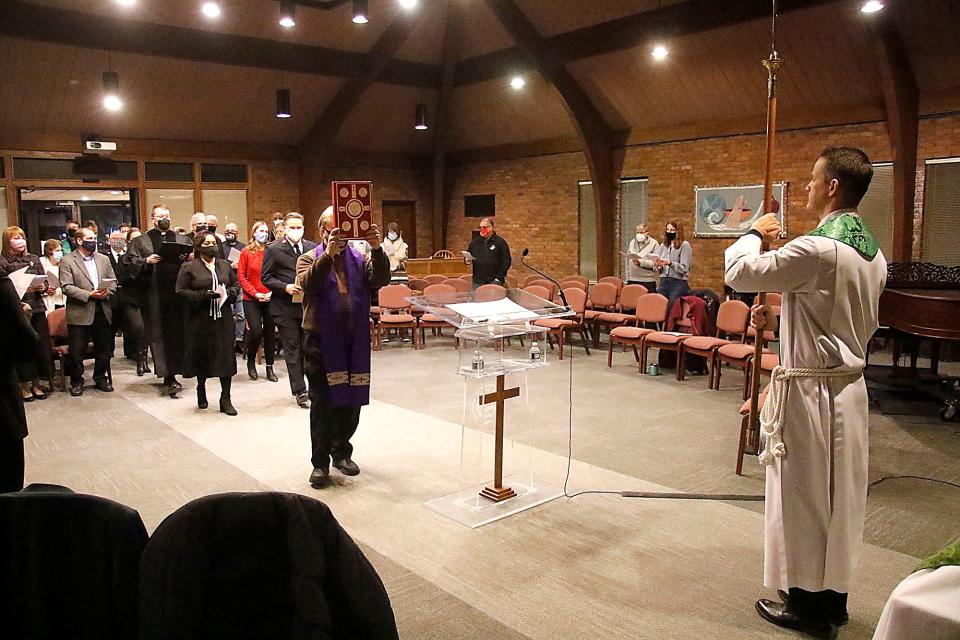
174, 388
227, 407
303, 399
319, 476
840, 620
779, 614
202, 398
103, 385
252, 370
76, 390
347, 467
146, 365
271, 376
140, 367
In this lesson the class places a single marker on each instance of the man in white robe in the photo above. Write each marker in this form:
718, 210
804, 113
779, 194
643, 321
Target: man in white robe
816, 481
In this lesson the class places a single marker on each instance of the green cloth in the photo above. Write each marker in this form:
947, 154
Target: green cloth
950, 554
849, 229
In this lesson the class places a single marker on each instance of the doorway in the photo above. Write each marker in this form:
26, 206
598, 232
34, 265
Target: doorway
404, 213
44, 212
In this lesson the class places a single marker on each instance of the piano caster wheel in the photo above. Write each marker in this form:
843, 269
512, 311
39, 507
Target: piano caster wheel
951, 412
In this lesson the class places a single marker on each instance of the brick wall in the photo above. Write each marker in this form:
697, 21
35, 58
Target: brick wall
389, 183
274, 186
537, 197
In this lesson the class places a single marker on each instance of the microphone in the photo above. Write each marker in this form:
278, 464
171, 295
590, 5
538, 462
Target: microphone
523, 261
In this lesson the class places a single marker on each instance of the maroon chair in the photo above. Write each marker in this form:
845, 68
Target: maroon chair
395, 312
603, 299
732, 318
430, 321
651, 309
559, 327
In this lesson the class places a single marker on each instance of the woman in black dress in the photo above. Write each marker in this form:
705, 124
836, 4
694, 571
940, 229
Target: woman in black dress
13, 257
209, 285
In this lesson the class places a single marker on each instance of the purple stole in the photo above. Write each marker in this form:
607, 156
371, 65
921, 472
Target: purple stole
346, 349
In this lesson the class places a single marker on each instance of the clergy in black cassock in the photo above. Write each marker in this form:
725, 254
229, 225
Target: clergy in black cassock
162, 308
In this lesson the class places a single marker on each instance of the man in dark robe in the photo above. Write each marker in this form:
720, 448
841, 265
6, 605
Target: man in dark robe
162, 308
18, 343
336, 280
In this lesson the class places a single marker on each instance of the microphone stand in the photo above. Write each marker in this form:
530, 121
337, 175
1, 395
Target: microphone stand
563, 297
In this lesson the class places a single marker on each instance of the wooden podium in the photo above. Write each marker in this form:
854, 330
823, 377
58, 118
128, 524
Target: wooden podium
419, 267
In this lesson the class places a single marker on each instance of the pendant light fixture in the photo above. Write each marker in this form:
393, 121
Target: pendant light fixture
283, 103
288, 14
111, 87
360, 12
420, 118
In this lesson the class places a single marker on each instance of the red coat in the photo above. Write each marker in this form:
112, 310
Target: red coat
248, 273
697, 314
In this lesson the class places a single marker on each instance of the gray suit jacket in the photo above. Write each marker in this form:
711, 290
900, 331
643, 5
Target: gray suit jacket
76, 285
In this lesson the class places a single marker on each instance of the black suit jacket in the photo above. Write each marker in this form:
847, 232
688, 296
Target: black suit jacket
18, 343
280, 269
127, 291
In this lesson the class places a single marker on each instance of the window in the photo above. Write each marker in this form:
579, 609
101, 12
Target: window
229, 205
941, 212
179, 201
480, 206
876, 208
223, 173
168, 172
633, 211
83, 167
588, 231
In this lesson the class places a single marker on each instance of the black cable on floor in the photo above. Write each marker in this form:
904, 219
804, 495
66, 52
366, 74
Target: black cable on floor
885, 478
634, 494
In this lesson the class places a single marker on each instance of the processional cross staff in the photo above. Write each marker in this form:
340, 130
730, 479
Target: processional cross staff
498, 492
772, 65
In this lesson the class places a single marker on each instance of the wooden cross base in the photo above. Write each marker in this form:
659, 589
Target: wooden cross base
498, 494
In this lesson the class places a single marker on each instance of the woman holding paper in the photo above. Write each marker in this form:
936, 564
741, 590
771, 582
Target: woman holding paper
15, 258
52, 255
209, 286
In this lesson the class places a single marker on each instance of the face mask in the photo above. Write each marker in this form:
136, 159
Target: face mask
201, 228
58, 255
211, 228
163, 224
670, 235
392, 235
18, 244
90, 245
71, 233
231, 237
641, 237
208, 251
119, 246
261, 236
484, 233
294, 234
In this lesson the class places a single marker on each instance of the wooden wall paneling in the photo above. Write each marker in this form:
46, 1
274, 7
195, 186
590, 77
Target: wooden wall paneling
441, 194
11, 191
901, 99
143, 215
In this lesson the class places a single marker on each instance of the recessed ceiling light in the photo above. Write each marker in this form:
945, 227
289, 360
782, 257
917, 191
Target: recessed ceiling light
517, 82
659, 52
126, 3
408, 4
871, 7
211, 9
74, 82
116, 193
112, 103
85, 198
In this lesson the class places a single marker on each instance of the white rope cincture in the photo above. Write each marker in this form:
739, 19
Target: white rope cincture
772, 412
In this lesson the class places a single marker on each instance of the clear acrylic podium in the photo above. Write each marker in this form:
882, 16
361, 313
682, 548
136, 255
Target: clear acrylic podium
501, 350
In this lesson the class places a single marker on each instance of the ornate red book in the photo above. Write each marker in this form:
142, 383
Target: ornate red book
352, 207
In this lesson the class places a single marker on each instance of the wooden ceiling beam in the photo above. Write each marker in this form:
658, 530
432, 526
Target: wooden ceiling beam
19, 19
684, 18
598, 138
901, 98
321, 138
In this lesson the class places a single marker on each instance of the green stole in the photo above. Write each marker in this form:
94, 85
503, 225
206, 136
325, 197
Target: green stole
949, 555
849, 229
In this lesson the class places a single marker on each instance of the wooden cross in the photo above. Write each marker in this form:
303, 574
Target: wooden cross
498, 492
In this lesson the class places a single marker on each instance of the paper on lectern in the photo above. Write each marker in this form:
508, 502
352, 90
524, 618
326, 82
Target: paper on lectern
503, 308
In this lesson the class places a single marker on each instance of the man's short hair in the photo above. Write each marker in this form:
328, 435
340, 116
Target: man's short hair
159, 205
489, 221
851, 168
325, 216
292, 215
90, 224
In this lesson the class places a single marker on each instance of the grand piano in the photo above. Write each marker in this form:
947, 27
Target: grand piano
921, 301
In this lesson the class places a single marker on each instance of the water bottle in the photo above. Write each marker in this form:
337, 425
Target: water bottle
477, 365
535, 352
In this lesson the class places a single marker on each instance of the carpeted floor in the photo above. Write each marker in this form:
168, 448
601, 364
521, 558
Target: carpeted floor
594, 566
